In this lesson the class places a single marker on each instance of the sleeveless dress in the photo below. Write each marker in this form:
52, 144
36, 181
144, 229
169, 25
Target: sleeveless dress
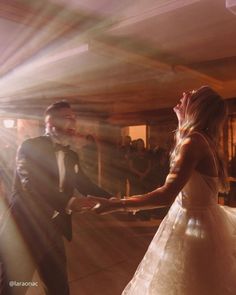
194, 249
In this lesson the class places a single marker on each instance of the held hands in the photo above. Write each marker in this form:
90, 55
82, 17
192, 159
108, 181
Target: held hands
94, 204
105, 206
81, 204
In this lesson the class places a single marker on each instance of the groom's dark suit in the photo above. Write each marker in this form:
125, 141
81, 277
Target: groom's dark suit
36, 202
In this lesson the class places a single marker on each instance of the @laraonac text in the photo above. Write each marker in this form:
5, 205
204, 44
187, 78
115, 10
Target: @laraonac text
23, 284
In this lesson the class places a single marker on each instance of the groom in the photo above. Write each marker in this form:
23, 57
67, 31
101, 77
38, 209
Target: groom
47, 174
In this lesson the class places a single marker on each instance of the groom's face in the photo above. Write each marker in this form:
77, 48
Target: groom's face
63, 121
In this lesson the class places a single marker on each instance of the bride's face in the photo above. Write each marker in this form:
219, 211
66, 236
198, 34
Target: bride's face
180, 108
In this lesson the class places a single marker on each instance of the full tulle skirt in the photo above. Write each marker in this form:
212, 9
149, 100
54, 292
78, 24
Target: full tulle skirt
192, 253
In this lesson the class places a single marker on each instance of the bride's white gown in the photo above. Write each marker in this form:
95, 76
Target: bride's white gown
194, 249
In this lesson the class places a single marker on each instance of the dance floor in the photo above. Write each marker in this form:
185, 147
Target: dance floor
104, 253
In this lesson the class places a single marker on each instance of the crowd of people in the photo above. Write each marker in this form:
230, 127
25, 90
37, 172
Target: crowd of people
137, 168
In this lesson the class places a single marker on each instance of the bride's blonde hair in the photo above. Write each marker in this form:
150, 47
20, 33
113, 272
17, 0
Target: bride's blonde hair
205, 112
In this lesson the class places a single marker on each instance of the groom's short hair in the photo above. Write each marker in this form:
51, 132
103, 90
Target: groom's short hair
53, 108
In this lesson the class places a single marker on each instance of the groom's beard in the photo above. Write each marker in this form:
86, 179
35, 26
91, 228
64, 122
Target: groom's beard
64, 137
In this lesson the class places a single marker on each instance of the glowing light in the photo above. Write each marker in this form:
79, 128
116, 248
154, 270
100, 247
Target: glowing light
194, 229
8, 123
138, 132
62, 55
231, 5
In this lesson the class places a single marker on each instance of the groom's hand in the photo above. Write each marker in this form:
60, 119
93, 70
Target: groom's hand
80, 204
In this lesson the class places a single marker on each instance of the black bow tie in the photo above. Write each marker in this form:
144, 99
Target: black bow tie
60, 147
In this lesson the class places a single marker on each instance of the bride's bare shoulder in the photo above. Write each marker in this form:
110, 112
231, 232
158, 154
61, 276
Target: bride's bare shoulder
195, 145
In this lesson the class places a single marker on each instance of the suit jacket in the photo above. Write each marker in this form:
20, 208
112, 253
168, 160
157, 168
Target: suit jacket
36, 194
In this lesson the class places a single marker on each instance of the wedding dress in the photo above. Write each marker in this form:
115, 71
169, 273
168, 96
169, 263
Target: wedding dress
194, 249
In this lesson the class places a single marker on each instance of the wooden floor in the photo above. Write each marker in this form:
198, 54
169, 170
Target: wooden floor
104, 253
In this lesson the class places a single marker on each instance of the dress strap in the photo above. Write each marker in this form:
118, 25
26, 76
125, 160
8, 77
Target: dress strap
210, 148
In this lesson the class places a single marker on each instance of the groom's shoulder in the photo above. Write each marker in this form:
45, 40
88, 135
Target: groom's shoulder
38, 141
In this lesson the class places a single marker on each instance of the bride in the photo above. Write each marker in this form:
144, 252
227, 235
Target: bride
194, 249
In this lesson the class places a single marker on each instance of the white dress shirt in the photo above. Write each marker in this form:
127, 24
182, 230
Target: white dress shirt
60, 155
